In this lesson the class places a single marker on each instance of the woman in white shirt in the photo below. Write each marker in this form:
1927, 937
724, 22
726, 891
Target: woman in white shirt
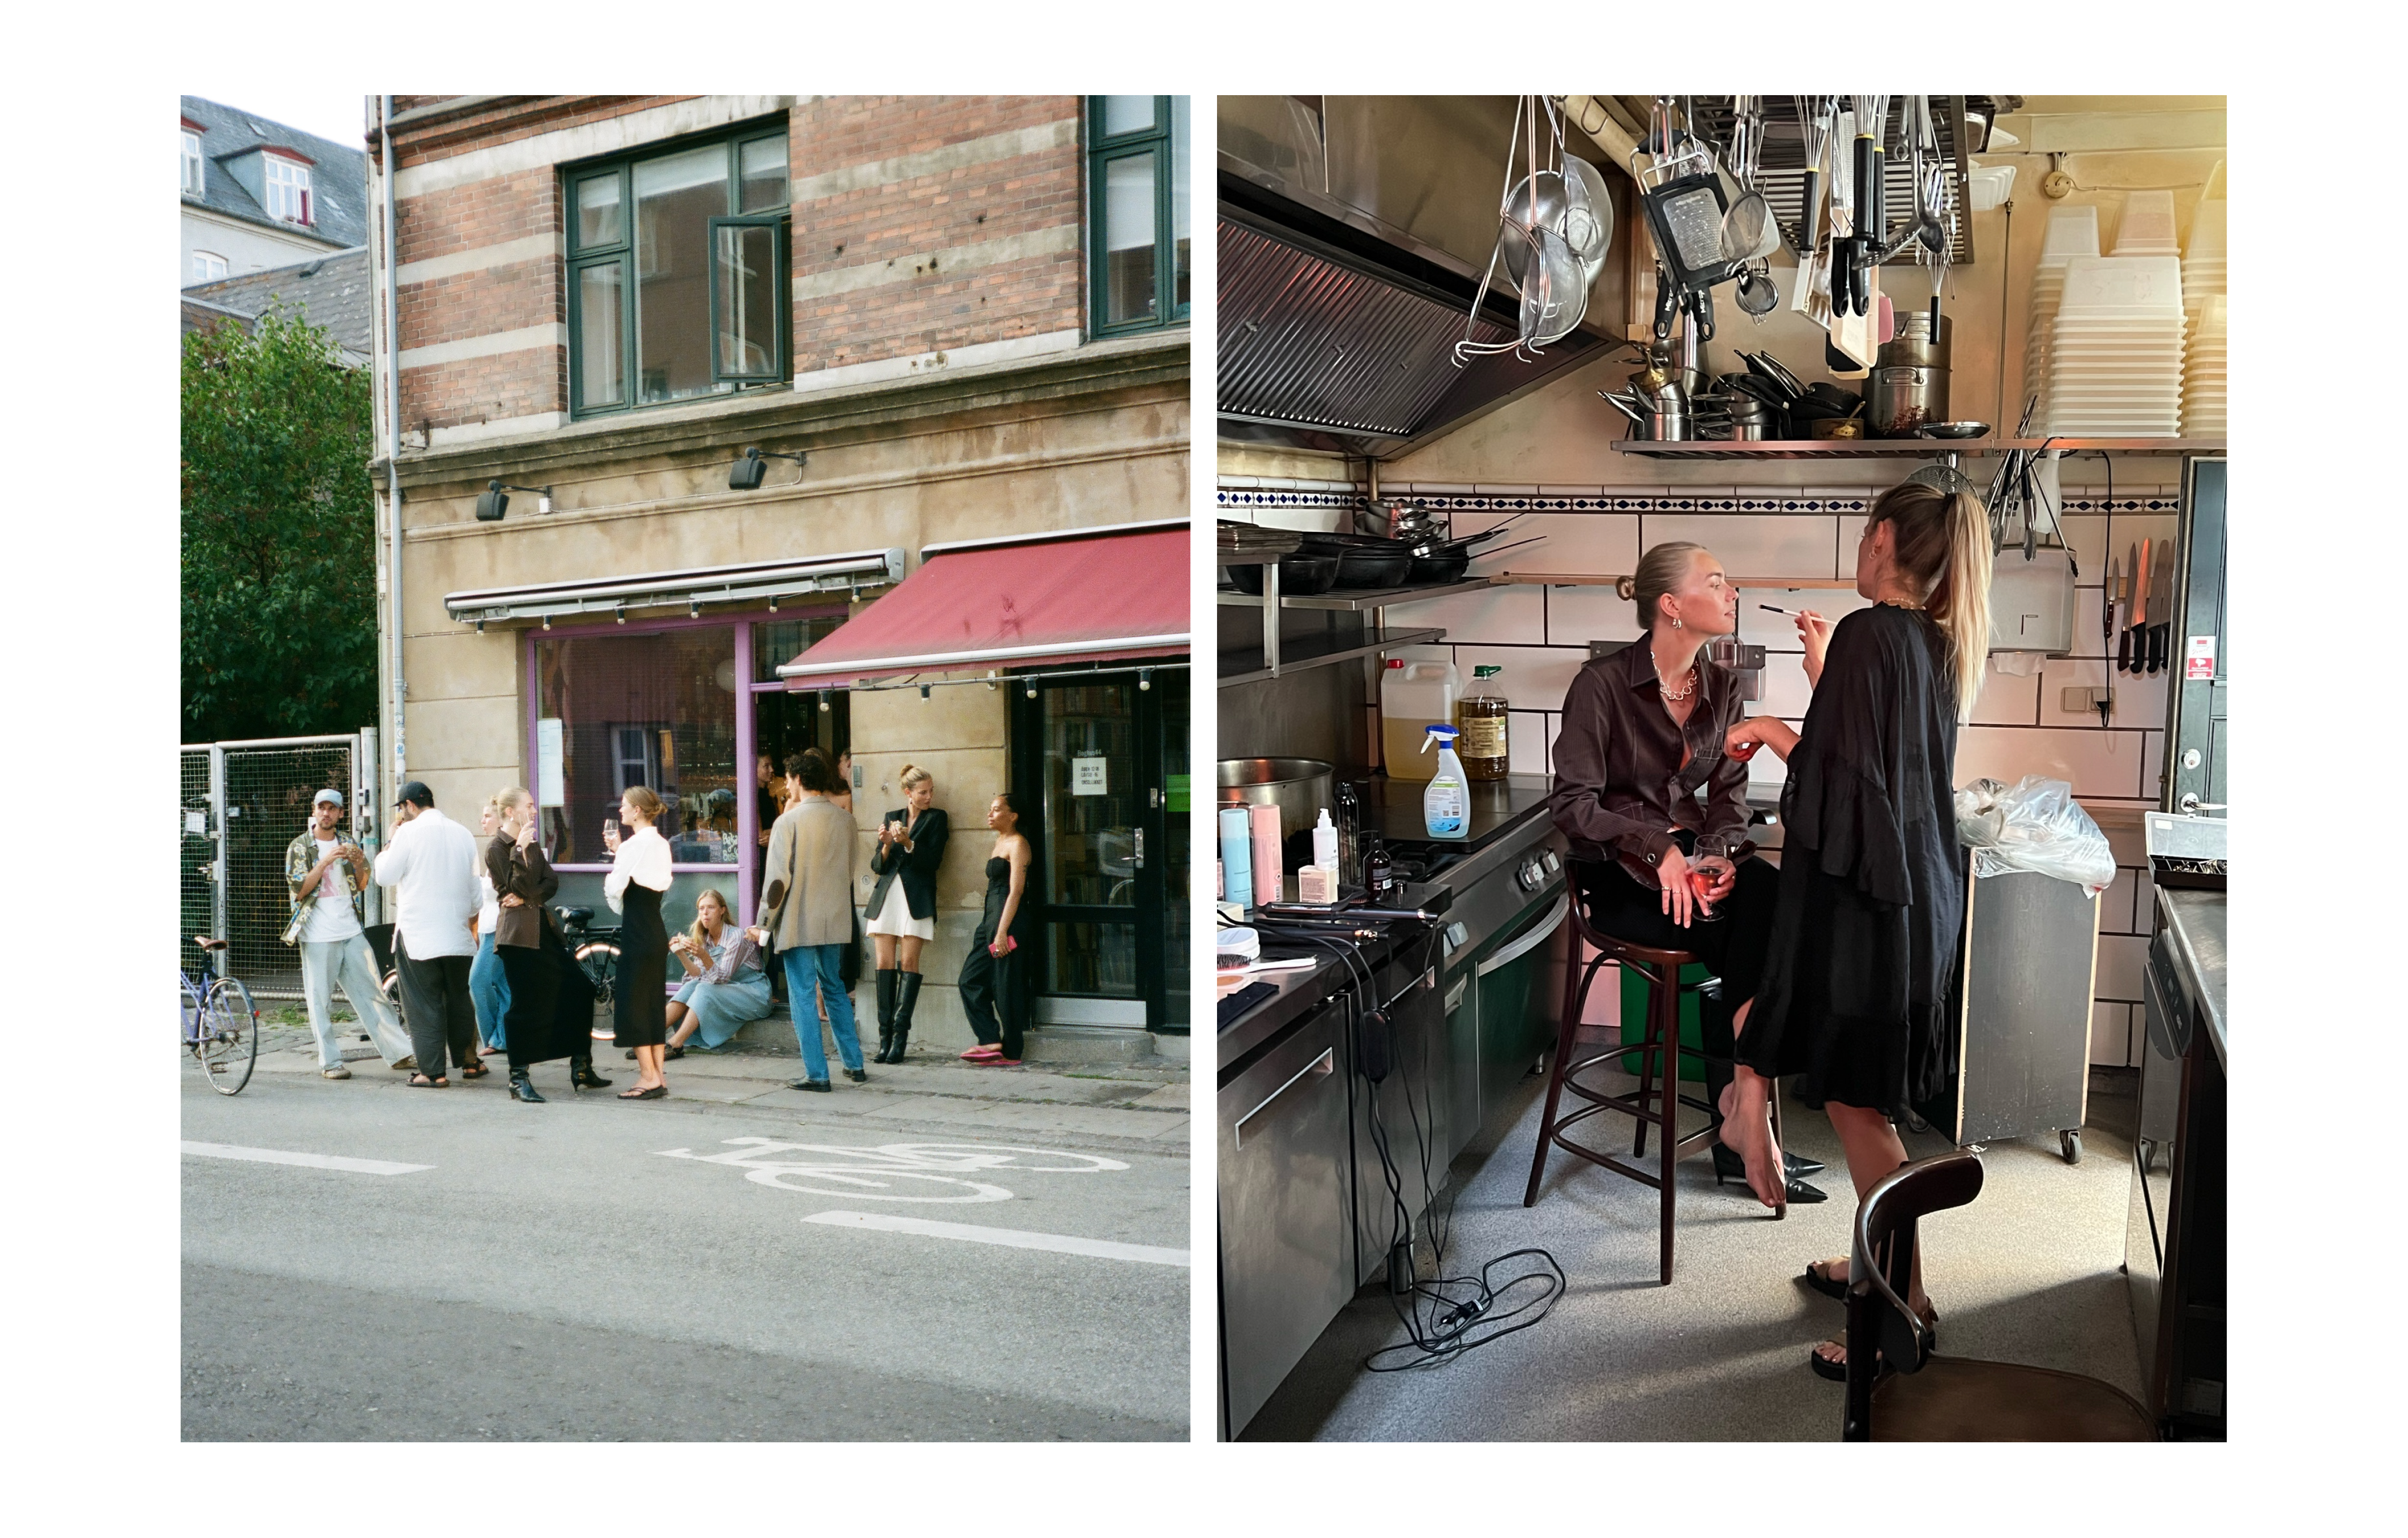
489, 989
639, 873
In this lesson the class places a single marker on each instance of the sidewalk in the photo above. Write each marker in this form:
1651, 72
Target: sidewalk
1107, 1104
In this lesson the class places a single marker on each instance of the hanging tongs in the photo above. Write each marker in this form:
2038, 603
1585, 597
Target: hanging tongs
1853, 259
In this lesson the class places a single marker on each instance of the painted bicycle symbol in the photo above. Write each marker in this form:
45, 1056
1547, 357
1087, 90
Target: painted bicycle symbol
876, 1175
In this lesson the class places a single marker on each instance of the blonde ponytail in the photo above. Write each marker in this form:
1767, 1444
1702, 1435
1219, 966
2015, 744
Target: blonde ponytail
1944, 544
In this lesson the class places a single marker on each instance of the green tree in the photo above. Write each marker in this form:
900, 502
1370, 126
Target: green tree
279, 617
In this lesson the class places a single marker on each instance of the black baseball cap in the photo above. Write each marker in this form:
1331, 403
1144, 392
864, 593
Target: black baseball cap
416, 790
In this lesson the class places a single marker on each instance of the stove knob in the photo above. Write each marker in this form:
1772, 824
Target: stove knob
1455, 935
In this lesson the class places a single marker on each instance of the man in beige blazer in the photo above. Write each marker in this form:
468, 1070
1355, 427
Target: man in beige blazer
807, 911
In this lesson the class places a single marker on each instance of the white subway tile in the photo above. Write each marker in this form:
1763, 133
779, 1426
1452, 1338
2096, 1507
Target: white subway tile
2130, 846
1753, 545
1760, 628
1236, 515
2125, 529
1487, 489
1535, 677
1429, 488
2153, 766
1311, 520
1578, 615
1527, 742
2006, 700
1785, 693
1573, 491
1235, 482
2095, 762
1585, 543
2116, 904
2087, 534
2140, 699
2121, 960
1507, 614
2111, 1034
1555, 728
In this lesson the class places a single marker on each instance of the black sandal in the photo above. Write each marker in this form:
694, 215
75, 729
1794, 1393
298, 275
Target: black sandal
475, 1071
658, 1091
1824, 1282
420, 1080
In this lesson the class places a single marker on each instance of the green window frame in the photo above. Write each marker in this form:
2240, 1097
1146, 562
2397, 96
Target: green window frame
611, 260
1126, 293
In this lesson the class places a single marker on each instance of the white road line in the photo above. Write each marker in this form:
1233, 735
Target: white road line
1019, 1239
315, 1161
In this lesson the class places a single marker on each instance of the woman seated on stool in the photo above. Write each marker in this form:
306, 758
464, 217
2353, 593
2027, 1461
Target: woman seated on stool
1642, 730
725, 985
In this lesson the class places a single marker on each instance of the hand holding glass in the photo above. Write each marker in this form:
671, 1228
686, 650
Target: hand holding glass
1712, 873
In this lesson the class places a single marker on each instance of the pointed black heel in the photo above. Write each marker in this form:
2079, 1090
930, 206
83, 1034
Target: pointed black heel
522, 1088
582, 1075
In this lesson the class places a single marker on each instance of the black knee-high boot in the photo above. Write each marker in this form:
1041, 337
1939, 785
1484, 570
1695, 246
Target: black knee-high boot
907, 995
885, 1012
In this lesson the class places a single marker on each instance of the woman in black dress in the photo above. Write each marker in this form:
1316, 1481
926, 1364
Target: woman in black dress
903, 905
550, 1012
1870, 915
639, 873
991, 983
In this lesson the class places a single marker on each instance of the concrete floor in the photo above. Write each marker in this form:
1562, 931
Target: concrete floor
2027, 1273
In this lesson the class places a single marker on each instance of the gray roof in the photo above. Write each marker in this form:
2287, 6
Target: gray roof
339, 178
331, 290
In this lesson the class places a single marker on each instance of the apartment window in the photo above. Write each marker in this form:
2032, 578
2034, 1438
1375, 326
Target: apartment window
1137, 212
677, 271
207, 267
192, 163
288, 189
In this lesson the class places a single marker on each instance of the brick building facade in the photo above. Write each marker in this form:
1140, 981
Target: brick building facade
581, 305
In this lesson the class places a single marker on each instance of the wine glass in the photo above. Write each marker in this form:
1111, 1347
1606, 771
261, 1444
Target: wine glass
609, 832
1708, 866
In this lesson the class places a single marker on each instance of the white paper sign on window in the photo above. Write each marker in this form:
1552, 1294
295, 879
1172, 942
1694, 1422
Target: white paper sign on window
549, 790
1087, 776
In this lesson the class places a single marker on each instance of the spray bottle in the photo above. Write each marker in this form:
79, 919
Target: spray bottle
1446, 805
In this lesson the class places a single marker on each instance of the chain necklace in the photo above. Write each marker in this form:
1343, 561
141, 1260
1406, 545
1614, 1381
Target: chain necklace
1665, 688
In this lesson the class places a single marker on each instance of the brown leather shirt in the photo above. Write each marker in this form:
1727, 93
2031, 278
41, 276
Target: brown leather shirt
1620, 785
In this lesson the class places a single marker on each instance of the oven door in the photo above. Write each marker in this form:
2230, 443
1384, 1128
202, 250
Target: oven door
1517, 1004
1286, 1243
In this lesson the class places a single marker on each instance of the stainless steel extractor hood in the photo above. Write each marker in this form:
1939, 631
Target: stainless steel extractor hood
1353, 232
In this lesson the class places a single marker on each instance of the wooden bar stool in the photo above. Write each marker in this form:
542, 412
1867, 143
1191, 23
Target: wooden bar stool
1659, 1049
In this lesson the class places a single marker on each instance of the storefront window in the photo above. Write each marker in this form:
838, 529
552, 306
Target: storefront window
655, 708
1089, 825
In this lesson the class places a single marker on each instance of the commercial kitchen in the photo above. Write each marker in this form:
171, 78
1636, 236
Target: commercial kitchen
1461, 388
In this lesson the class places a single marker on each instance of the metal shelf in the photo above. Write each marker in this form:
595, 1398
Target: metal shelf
1249, 667
1354, 601
1913, 447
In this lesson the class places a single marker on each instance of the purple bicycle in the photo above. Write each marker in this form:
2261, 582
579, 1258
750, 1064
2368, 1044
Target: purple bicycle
220, 1023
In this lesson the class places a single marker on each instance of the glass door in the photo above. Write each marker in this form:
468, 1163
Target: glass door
1092, 764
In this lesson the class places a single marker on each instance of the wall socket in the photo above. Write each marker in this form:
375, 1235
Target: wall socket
2076, 702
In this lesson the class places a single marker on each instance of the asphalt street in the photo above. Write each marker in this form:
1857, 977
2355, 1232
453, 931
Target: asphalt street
938, 1255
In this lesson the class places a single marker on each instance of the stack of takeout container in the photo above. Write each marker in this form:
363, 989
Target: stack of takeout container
2071, 232
2116, 361
2204, 414
2203, 261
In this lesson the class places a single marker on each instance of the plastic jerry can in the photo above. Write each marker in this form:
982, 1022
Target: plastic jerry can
1413, 697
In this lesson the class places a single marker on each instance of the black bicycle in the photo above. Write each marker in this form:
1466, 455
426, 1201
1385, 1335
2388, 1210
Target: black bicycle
596, 951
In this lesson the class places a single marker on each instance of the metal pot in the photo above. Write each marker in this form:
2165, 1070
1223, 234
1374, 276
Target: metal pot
1912, 344
1900, 399
1299, 787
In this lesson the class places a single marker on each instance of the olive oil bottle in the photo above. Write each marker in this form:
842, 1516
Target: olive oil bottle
1480, 716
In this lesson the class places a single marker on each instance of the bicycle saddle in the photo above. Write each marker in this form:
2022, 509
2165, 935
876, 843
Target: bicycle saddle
205, 943
575, 916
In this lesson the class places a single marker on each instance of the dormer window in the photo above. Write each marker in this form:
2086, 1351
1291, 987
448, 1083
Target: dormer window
192, 163
288, 189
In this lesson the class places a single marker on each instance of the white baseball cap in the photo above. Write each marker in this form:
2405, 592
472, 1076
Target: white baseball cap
333, 795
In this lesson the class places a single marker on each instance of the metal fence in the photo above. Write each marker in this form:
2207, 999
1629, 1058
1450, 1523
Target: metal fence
243, 803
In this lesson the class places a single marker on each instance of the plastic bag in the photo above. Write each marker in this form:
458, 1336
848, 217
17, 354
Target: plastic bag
2035, 826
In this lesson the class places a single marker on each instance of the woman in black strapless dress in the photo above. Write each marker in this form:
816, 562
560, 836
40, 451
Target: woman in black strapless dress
639, 873
991, 983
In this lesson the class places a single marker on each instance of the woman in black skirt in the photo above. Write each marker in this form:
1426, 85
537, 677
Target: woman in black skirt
550, 1012
991, 988
1642, 734
1870, 915
639, 873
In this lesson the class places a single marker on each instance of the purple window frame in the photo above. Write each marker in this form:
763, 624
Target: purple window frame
746, 815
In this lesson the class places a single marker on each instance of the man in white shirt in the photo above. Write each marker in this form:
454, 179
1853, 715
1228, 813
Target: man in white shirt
324, 873
429, 863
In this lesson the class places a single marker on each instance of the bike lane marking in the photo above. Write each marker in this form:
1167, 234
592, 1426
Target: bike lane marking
314, 1161
1013, 1238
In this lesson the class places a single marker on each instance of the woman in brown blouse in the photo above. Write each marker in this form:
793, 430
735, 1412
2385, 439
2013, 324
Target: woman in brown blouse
1642, 735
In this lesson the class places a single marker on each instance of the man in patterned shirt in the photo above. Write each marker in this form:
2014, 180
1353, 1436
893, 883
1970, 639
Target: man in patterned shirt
324, 874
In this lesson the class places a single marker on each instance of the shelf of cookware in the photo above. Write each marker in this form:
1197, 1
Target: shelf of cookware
1911, 448
1355, 602
1251, 666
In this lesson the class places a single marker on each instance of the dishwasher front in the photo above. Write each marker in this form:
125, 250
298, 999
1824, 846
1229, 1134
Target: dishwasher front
1286, 1238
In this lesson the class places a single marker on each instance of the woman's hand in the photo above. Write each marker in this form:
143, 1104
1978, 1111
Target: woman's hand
1003, 946
1679, 899
526, 836
759, 935
1814, 631
511, 900
1759, 731
610, 839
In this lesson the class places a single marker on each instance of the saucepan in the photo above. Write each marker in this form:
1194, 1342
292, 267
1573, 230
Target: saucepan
1299, 787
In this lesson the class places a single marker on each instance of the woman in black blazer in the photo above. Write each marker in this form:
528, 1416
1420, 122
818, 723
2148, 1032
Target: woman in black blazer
903, 905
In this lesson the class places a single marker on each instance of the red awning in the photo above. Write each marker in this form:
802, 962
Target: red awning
1083, 596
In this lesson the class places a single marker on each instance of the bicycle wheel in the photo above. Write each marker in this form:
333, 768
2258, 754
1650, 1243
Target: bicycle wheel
599, 960
229, 1036
189, 1022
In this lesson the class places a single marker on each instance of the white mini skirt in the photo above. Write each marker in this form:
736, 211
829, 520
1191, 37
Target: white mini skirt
896, 917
